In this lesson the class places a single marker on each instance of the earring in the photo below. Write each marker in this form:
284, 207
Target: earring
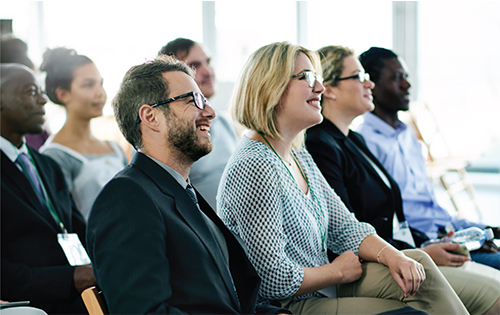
333, 96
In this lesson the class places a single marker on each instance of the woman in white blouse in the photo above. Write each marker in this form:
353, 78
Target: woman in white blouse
88, 163
274, 197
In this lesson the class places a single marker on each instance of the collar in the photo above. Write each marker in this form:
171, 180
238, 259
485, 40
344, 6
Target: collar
383, 127
11, 151
178, 177
332, 129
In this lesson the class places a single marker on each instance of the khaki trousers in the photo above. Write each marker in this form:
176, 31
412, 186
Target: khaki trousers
376, 291
477, 285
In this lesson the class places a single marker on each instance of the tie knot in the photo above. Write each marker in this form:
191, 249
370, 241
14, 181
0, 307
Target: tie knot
192, 193
23, 158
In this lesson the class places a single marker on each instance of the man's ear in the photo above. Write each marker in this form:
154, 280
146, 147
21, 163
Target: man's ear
62, 95
149, 117
329, 91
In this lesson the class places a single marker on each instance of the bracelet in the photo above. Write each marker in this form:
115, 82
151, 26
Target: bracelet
378, 256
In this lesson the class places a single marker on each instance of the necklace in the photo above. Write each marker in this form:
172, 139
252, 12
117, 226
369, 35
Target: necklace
289, 163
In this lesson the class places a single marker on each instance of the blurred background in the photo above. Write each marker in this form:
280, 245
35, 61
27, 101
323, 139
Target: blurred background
451, 48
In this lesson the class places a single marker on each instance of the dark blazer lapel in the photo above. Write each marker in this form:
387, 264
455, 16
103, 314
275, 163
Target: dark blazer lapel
354, 150
50, 186
245, 277
21, 186
394, 189
188, 211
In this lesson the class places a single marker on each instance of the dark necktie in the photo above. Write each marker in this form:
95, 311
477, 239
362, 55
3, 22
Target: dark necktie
30, 172
192, 195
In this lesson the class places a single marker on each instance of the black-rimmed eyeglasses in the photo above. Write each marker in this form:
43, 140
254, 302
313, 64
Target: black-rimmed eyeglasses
199, 101
361, 76
310, 77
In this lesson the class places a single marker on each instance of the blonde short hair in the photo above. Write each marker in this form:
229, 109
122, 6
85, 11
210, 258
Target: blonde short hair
261, 84
332, 62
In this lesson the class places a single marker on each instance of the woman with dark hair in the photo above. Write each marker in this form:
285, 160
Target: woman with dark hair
274, 197
369, 191
73, 81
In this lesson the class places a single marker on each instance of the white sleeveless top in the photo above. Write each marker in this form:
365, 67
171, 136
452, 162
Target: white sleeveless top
88, 174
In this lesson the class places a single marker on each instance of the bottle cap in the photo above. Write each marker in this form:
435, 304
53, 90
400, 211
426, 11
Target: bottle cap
488, 233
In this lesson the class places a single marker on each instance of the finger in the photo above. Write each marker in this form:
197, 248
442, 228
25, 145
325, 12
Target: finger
400, 281
458, 258
421, 271
416, 280
408, 277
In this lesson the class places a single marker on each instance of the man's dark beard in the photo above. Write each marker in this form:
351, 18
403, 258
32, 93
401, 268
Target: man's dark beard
184, 138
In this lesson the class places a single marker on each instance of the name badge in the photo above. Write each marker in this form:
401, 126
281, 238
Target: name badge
401, 232
73, 249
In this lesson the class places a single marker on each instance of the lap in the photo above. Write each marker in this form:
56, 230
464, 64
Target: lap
435, 296
357, 305
477, 285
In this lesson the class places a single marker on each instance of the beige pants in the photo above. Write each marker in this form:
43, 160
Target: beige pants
477, 285
376, 291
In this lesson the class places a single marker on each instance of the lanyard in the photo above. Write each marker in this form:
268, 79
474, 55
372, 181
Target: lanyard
46, 200
322, 232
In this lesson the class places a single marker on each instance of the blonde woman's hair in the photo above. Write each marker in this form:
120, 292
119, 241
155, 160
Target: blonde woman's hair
261, 84
332, 62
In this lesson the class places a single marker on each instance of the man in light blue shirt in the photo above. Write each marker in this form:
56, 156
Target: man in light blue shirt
398, 150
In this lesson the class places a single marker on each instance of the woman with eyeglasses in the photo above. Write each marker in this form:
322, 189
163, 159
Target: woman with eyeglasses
74, 82
369, 191
274, 197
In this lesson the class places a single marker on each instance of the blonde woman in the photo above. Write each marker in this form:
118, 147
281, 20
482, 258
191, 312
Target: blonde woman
274, 197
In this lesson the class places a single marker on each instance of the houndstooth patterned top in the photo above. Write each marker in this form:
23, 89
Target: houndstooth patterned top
260, 201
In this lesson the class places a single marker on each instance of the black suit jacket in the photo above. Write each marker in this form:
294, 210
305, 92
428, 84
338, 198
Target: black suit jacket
34, 266
354, 179
153, 252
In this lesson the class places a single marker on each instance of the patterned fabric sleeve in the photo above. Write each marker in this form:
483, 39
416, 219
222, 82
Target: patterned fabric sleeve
250, 205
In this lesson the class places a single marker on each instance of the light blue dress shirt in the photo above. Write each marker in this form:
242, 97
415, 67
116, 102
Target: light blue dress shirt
401, 154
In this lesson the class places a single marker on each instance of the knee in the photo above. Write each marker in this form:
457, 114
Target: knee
418, 255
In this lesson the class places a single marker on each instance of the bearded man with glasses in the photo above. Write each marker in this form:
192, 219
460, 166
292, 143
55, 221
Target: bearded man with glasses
155, 243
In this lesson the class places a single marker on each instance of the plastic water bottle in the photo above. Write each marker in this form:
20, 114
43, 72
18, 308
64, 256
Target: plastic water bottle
472, 238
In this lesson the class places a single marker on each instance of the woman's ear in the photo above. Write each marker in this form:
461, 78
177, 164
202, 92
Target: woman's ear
62, 95
149, 117
329, 91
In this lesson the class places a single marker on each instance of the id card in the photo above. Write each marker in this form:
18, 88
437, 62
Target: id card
401, 232
73, 249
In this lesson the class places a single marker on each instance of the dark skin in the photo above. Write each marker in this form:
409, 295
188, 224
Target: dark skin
391, 92
391, 95
22, 111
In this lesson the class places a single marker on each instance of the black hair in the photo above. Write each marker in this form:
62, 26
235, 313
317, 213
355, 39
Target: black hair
14, 50
372, 61
60, 64
178, 47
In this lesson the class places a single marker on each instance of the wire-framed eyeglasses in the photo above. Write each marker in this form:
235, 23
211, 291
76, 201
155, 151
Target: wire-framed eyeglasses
310, 77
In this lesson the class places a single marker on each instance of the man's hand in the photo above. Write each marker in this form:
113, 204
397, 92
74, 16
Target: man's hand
441, 255
83, 277
349, 267
408, 273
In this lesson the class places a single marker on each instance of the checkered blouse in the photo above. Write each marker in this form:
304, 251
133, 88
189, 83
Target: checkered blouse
259, 200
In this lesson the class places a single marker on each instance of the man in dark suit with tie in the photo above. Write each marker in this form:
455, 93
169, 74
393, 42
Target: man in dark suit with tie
36, 206
155, 243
